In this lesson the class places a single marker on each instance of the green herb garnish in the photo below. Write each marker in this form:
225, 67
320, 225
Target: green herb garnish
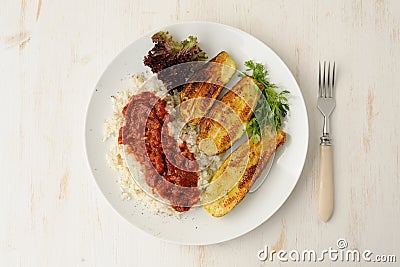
270, 109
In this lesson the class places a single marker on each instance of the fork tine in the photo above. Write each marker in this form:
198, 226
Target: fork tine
319, 80
324, 82
328, 87
333, 77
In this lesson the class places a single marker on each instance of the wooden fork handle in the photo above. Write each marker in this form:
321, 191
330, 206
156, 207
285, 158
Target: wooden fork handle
325, 194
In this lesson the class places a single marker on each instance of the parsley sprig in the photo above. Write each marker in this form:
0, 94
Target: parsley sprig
270, 109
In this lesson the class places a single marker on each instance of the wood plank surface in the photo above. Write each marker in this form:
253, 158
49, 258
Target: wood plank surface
52, 54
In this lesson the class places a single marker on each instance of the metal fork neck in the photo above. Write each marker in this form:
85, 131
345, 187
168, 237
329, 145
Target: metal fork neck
325, 138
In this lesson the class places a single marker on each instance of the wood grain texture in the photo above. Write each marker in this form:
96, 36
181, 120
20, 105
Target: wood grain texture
52, 53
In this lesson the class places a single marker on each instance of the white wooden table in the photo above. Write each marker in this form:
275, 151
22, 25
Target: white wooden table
52, 54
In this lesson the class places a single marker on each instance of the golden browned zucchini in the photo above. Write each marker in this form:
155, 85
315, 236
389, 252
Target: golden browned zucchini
226, 122
238, 172
204, 86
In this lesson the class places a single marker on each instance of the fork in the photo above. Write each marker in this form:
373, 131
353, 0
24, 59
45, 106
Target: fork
326, 104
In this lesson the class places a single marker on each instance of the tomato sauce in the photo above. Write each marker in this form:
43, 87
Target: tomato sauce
170, 168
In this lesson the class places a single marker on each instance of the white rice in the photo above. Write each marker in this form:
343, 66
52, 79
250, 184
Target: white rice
181, 131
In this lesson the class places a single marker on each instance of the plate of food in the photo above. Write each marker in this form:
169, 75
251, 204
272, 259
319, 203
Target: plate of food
196, 133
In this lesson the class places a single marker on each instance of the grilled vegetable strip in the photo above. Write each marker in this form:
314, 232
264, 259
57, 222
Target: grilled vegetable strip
238, 172
204, 86
227, 120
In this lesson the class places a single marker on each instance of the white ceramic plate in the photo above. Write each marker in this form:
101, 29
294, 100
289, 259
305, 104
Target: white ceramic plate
197, 227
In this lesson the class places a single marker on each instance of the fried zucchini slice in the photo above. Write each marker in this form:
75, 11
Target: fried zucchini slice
204, 86
232, 181
226, 122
